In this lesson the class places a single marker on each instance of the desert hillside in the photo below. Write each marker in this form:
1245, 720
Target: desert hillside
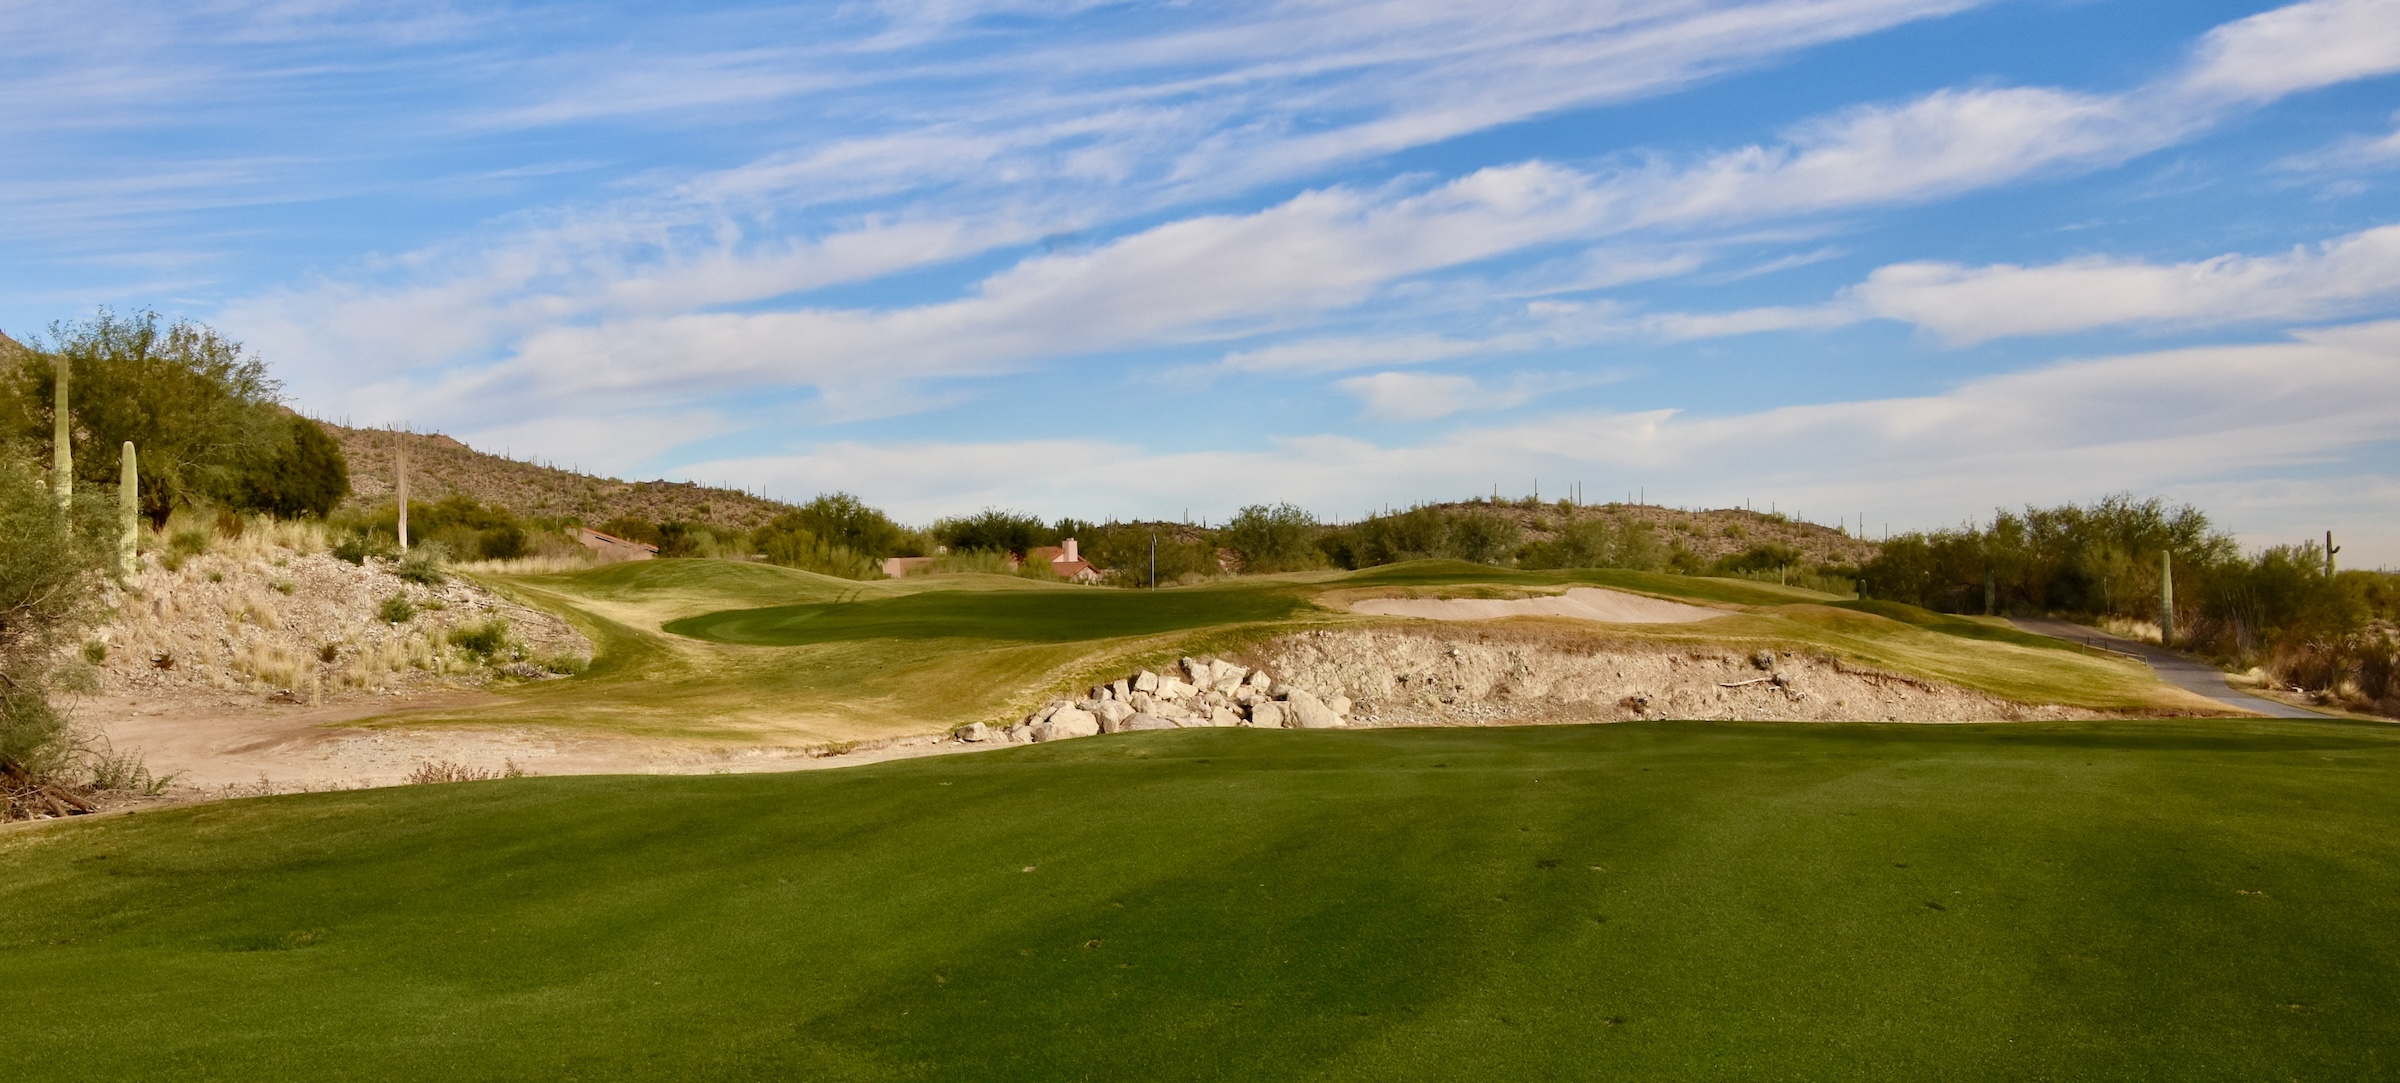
1709, 534
440, 466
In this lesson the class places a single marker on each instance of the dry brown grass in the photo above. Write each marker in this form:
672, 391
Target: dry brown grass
439, 771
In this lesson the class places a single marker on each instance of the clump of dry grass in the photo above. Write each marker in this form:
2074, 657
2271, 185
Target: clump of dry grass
439, 771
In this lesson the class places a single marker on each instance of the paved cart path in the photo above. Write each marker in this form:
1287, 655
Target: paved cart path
2173, 668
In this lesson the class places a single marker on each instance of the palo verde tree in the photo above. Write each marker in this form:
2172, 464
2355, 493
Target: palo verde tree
199, 409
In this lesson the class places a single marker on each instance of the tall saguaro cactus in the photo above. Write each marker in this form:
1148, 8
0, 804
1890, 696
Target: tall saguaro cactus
2166, 598
62, 455
129, 514
2330, 550
400, 483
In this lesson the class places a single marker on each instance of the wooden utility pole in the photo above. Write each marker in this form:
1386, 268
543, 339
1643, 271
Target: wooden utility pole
2166, 598
400, 483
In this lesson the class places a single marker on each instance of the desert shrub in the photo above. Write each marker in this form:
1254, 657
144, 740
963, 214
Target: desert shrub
51, 566
845, 521
1123, 550
631, 528
358, 546
439, 771
1427, 531
423, 564
481, 640
995, 530
787, 543
565, 665
300, 473
195, 405
1281, 538
985, 561
396, 609
1603, 542
1773, 557
95, 652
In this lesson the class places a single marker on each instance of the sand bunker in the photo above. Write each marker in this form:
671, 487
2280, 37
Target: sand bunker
1584, 603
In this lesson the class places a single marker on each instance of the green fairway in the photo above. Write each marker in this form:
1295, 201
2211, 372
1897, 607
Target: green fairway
2177, 900
1023, 616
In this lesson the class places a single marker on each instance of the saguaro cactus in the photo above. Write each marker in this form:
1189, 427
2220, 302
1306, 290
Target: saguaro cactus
62, 455
129, 514
400, 483
2330, 550
2166, 599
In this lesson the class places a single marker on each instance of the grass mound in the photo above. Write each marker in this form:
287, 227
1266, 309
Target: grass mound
1024, 616
2178, 900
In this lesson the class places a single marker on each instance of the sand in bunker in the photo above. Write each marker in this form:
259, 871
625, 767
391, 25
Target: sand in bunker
1585, 603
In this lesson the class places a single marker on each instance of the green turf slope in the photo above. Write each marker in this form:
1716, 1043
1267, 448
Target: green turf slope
1026, 616
2185, 900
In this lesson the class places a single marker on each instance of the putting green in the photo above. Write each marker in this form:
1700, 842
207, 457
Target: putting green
1062, 615
2177, 900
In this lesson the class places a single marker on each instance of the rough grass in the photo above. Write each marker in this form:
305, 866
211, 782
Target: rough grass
2181, 900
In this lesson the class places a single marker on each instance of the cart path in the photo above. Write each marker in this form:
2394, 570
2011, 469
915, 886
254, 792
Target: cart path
2175, 669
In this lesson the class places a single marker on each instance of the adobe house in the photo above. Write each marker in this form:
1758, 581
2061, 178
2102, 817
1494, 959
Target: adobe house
612, 547
1066, 561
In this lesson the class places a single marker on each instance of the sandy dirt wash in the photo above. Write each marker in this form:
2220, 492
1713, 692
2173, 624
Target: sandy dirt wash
242, 747
1582, 603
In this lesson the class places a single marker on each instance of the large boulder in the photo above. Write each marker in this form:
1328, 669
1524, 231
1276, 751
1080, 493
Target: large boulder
1072, 722
1340, 704
1145, 681
1310, 713
1267, 714
1198, 671
1223, 716
1141, 722
1113, 710
1171, 689
1261, 682
975, 733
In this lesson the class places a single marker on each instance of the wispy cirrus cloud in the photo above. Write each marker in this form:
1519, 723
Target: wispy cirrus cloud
1964, 305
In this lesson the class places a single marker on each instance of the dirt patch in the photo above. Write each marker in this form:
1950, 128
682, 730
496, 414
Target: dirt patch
1581, 603
1428, 677
248, 748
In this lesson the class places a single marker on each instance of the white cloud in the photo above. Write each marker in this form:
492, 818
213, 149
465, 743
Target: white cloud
1420, 396
1962, 305
630, 306
2300, 47
2208, 420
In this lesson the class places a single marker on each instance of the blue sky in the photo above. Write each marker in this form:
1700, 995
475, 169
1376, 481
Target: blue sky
1890, 261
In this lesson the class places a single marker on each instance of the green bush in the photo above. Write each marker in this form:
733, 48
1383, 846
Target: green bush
423, 565
995, 530
50, 571
302, 474
1272, 539
397, 609
1602, 542
481, 640
358, 546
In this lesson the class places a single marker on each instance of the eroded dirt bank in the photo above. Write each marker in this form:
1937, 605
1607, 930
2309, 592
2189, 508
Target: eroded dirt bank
1498, 676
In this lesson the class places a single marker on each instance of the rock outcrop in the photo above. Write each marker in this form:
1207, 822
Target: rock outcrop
1195, 693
